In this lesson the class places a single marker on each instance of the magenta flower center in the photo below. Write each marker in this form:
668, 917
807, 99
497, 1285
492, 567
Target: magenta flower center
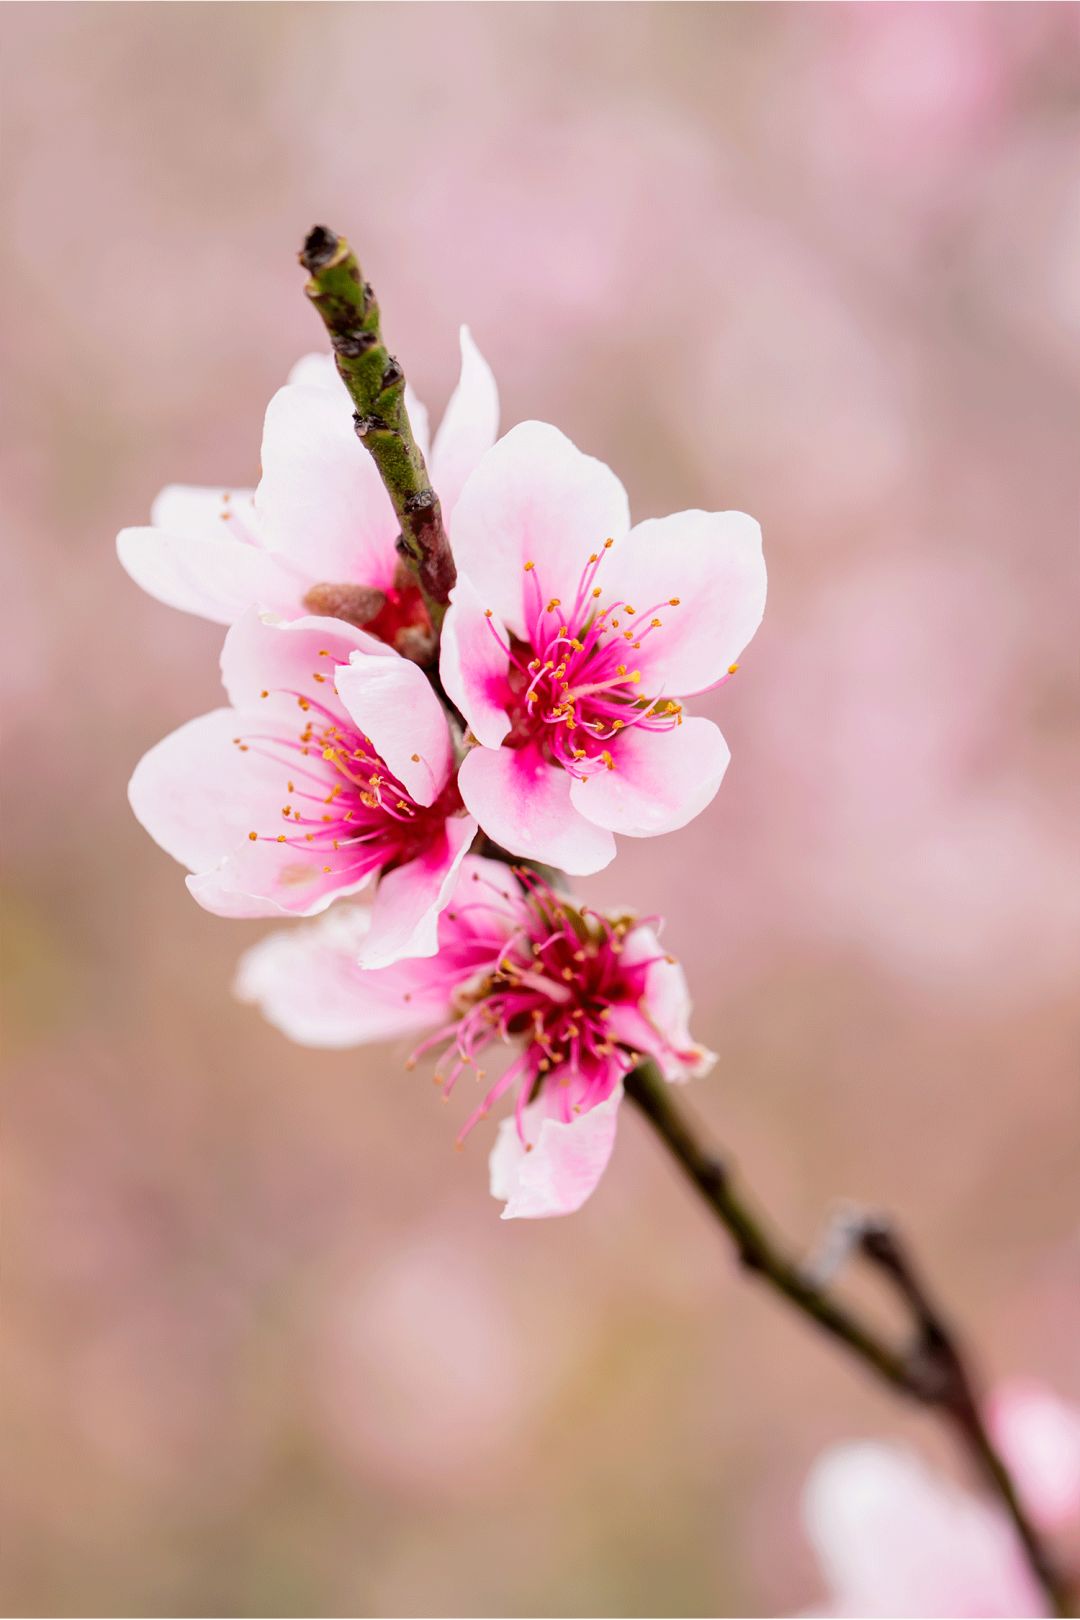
574, 684
340, 801
551, 983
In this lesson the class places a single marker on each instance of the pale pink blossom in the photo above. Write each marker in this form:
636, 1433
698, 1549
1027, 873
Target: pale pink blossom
333, 765
569, 641
1039, 1434
584, 998
320, 520
894, 1538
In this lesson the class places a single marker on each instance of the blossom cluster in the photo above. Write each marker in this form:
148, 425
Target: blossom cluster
364, 746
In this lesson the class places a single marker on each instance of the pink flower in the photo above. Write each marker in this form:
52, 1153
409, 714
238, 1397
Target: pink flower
334, 764
318, 534
1040, 1436
571, 638
893, 1538
585, 997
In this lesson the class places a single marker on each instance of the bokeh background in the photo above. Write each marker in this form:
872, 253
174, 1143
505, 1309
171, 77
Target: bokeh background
267, 1348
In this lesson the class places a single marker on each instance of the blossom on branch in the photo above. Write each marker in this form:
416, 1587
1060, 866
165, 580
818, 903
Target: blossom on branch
319, 533
570, 641
583, 997
333, 766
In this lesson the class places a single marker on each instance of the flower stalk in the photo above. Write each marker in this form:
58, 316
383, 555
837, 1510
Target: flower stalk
376, 385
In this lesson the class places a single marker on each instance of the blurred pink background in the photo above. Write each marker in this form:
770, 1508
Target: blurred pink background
267, 1347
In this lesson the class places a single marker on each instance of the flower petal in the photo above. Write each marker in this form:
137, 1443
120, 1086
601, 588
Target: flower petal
660, 1025
523, 803
265, 879
194, 512
468, 428
321, 501
394, 705
408, 901
534, 498
195, 792
893, 1539
661, 779
307, 982
215, 576
473, 665
1040, 1438
263, 653
561, 1165
710, 561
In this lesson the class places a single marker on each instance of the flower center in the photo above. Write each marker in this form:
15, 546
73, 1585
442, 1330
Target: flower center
574, 683
552, 984
340, 800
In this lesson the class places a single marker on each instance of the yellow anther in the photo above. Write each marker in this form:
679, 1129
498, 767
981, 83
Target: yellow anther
264, 694
253, 836
529, 566
673, 601
597, 591
654, 624
488, 613
416, 759
732, 668
281, 838
317, 677
608, 544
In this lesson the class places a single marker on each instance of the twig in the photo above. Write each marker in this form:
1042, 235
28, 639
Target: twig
932, 1370
376, 385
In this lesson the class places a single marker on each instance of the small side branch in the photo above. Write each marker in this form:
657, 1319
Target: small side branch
931, 1370
376, 385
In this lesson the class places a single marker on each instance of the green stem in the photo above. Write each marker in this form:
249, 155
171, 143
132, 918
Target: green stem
376, 385
932, 1371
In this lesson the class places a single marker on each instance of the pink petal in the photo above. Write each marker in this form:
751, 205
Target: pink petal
710, 561
315, 371
524, 804
408, 901
468, 429
561, 1166
473, 665
265, 879
321, 501
534, 498
193, 512
661, 780
216, 576
307, 982
892, 1539
196, 793
1040, 1437
661, 1025
394, 705
263, 653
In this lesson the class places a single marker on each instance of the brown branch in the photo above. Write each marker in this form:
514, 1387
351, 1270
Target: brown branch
932, 1370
